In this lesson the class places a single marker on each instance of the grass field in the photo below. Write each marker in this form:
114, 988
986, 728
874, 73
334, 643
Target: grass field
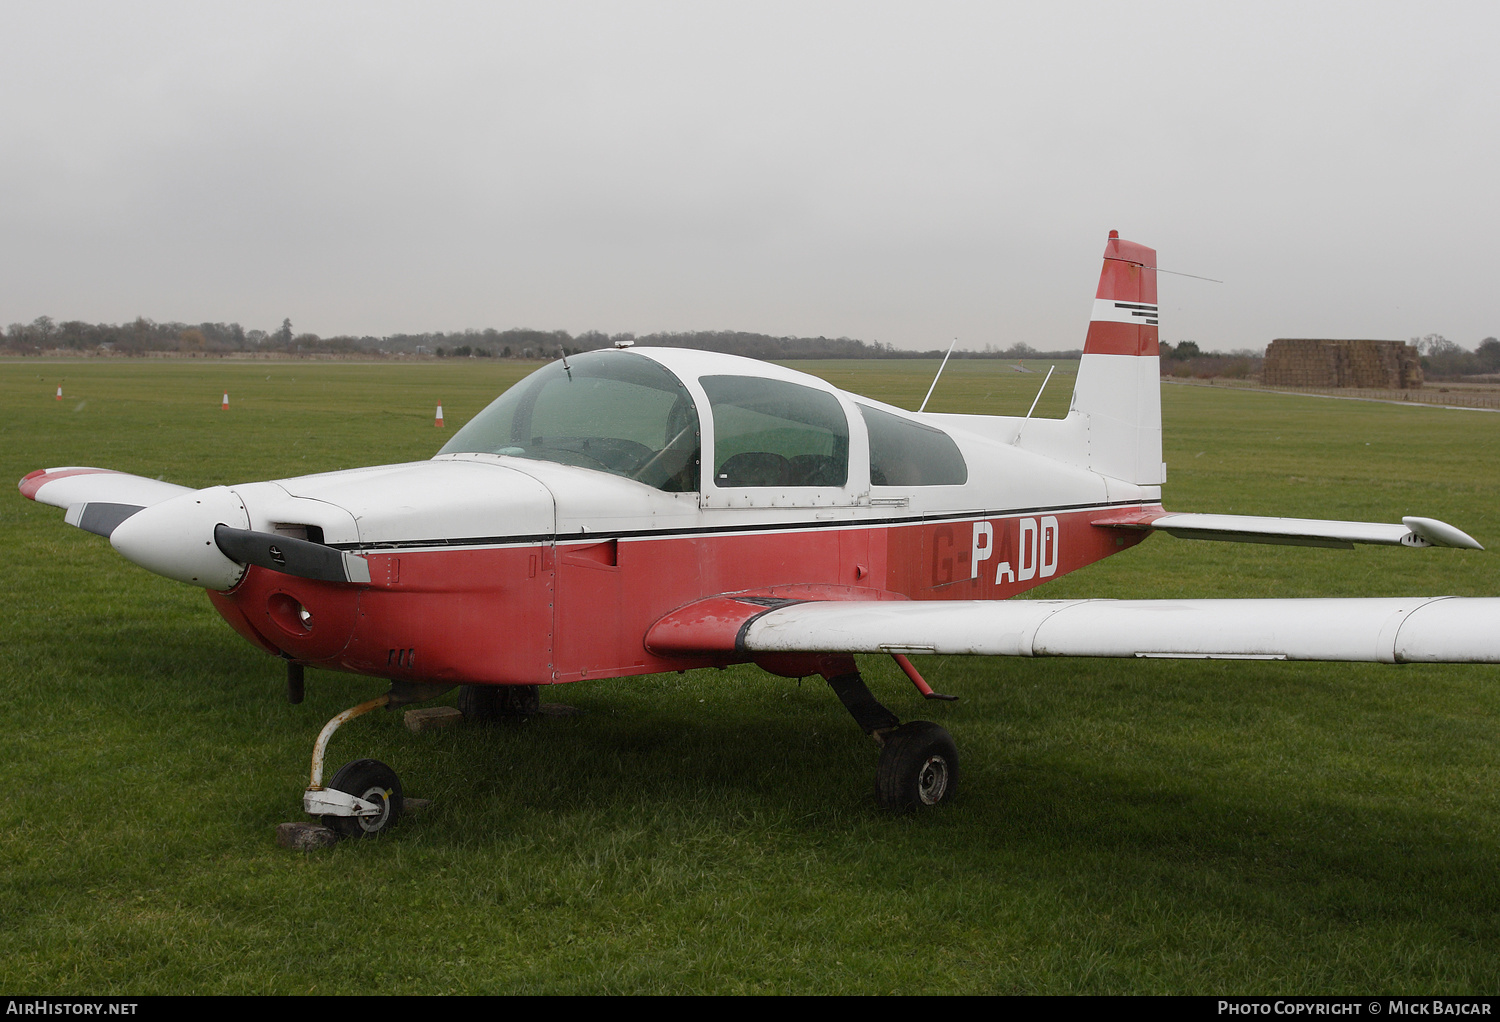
1142, 827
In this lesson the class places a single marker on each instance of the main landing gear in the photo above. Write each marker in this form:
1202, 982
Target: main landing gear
918, 764
918, 761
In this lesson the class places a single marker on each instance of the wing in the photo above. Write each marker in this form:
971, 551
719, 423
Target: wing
1417, 630
96, 499
1415, 532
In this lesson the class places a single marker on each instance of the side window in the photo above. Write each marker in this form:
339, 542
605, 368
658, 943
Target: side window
907, 453
772, 433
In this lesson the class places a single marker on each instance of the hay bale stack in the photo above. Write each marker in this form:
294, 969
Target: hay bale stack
1320, 362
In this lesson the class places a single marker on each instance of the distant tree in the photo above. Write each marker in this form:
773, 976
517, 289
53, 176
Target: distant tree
284, 335
1442, 357
138, 340
44, 328
1186, 349
1488, 355
77, 334
1435, 344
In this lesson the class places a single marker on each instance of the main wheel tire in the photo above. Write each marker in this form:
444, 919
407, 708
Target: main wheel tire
372, 781
477, 702
918, 767
492, 702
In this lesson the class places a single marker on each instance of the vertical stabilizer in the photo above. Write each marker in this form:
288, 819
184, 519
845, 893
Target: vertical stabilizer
1118, 393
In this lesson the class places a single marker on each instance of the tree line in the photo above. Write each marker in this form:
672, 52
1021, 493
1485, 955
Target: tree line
1443, 359
144, 336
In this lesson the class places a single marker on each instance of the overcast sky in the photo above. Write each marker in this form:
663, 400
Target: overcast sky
901, 172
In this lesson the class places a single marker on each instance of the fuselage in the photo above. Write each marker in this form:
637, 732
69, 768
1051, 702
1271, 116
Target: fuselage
546, 551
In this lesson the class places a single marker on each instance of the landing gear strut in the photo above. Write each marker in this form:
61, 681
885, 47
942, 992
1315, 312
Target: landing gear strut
364, 799
918, 761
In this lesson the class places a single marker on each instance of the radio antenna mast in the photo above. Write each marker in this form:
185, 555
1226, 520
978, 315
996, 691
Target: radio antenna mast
1033, 406
939, 373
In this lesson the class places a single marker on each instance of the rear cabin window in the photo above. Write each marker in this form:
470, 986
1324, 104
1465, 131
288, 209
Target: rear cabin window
773, 433
907, 453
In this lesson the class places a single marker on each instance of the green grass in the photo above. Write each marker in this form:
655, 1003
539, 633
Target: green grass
1122, 826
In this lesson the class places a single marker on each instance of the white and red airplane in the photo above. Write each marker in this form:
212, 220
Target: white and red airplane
635, 511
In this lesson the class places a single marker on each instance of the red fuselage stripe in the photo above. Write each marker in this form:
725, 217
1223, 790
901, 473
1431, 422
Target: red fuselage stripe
548, 612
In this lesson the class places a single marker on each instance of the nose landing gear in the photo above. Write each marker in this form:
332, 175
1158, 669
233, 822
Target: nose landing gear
364, 799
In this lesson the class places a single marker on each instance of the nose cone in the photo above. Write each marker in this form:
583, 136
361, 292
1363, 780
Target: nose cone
176, 537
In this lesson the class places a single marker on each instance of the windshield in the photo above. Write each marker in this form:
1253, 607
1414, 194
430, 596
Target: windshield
609, 410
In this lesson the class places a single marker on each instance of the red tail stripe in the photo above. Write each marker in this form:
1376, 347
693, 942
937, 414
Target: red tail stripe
1120, 339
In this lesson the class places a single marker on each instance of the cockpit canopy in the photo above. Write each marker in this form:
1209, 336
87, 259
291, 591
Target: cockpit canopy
627, 414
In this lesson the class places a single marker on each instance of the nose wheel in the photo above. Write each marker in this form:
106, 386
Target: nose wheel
372, 783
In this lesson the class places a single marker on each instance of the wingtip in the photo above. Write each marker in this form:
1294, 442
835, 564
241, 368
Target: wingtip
1441, 533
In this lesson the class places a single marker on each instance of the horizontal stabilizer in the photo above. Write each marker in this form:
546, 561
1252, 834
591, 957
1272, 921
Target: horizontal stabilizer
1417, 630
1413, 532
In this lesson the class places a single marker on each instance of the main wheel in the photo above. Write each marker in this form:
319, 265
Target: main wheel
491, 702
372, 781
918, 767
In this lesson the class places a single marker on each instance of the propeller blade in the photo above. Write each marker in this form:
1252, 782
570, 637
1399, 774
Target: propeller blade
290, 556
100, 517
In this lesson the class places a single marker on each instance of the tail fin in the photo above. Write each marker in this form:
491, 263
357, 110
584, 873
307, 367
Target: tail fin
1118, 393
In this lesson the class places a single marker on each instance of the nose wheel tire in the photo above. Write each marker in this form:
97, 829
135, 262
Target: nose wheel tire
372, 781
918, 767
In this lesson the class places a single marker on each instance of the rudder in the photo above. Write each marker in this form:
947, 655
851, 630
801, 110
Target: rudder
1118, 392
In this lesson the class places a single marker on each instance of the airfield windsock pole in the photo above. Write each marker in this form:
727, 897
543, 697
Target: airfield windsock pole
438, 420
225, 406
59, 393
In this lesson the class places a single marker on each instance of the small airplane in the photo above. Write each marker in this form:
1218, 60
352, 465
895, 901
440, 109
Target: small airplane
632, 511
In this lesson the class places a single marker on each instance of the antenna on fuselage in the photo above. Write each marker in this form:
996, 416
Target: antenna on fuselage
939, 373
1033, 405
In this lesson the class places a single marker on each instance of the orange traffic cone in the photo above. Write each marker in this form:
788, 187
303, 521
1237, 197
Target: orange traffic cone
225, 406
438, 422
59, 393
